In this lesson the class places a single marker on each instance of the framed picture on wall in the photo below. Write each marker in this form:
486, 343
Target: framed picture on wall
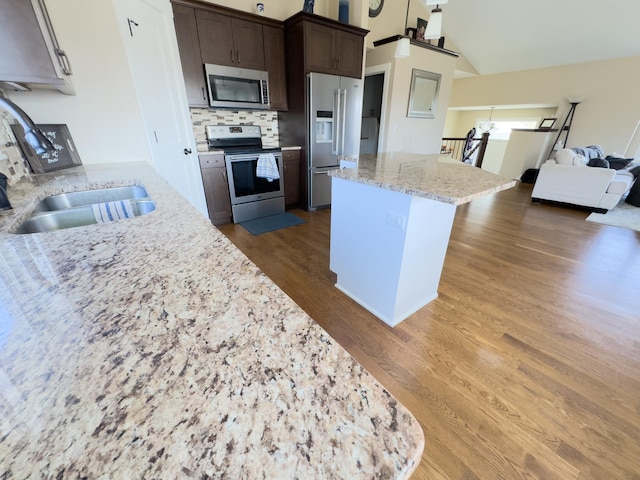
423, 95
421, 26
547, 123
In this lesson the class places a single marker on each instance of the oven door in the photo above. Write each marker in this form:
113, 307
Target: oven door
244, 184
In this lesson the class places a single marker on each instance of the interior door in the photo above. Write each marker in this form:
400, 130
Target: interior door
152, 51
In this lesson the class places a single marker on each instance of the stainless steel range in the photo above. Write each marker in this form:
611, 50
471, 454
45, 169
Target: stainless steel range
254, 194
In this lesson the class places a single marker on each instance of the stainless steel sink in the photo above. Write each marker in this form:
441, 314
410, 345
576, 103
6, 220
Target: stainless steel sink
69, 210
74, 217
89, 197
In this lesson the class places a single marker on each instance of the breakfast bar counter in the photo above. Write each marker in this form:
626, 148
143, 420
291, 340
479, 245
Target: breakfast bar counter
391, 219
152, 347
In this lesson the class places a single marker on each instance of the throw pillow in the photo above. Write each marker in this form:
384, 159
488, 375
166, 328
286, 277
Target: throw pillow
598, 162
580, 160
565, 156
618, 163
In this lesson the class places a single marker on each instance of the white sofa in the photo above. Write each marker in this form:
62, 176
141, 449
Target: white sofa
575, 183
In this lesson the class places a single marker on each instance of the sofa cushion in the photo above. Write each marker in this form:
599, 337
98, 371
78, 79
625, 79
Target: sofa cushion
620, 184
565, 156
598, 162
618, 163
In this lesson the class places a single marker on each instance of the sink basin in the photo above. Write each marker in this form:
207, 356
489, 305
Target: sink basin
89, 197
75, 217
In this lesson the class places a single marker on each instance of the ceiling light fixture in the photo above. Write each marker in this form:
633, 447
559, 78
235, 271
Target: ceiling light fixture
403, 48
434, 24
487, 127
433, 30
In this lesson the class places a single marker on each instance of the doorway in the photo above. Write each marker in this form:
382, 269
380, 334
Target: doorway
373, 110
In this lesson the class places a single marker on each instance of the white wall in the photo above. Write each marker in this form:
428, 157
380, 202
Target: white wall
494, 155
103, 116
399, 132
607, 116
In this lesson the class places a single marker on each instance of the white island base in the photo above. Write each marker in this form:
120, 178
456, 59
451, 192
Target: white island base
387, 247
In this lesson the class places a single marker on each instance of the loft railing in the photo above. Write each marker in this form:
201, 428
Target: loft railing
472, 154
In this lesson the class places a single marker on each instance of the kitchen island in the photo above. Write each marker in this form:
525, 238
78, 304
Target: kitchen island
153, 348
391, 219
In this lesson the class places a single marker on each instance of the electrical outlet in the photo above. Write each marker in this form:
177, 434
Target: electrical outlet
396, 220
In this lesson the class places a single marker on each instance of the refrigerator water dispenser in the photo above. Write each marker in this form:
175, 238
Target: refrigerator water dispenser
324, 126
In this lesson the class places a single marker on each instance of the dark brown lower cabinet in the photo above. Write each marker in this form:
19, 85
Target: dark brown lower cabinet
291, 161
216, 188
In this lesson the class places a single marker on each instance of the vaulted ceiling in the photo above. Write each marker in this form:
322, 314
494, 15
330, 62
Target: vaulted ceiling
507, 35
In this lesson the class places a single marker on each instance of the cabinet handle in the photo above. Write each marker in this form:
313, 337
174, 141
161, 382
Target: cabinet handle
338, 64
64, 61
204, 95
238, 56
187, 151
232, 59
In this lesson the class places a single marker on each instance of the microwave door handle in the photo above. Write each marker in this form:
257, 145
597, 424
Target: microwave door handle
335, 122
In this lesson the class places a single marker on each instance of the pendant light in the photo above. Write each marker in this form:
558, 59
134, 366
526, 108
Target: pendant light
403, 48
434, 24
433, 30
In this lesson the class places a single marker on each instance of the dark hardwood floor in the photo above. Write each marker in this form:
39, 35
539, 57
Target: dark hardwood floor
526, 366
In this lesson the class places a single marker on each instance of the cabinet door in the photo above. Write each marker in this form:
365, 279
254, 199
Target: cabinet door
184, 19
216, 38
216, 188
25, 57
349, 48
318, 45
291, 161
275, 64
248, 44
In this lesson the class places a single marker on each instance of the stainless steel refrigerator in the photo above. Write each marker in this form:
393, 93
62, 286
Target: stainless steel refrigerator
334, 116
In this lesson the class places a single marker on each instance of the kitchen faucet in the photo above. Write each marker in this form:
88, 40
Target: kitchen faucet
32, 134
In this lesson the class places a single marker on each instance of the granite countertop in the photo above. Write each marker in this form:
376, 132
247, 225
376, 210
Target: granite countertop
436, 177
153, 348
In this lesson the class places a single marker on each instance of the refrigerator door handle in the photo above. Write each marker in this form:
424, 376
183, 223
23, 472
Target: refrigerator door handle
337, 116
343, 120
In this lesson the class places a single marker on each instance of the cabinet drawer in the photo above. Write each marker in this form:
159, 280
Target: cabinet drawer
210, 161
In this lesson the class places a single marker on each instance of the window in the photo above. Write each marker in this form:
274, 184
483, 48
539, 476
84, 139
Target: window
501, 129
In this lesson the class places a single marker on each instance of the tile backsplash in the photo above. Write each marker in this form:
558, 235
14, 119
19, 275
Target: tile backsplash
12, 164
267, 120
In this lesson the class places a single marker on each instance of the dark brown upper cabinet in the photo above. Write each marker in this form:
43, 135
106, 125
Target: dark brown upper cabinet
326, 46
218, 35
184, 19
230, 41
274, 55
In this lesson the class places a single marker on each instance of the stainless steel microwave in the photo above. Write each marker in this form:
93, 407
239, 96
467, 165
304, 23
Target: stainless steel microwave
241, 88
